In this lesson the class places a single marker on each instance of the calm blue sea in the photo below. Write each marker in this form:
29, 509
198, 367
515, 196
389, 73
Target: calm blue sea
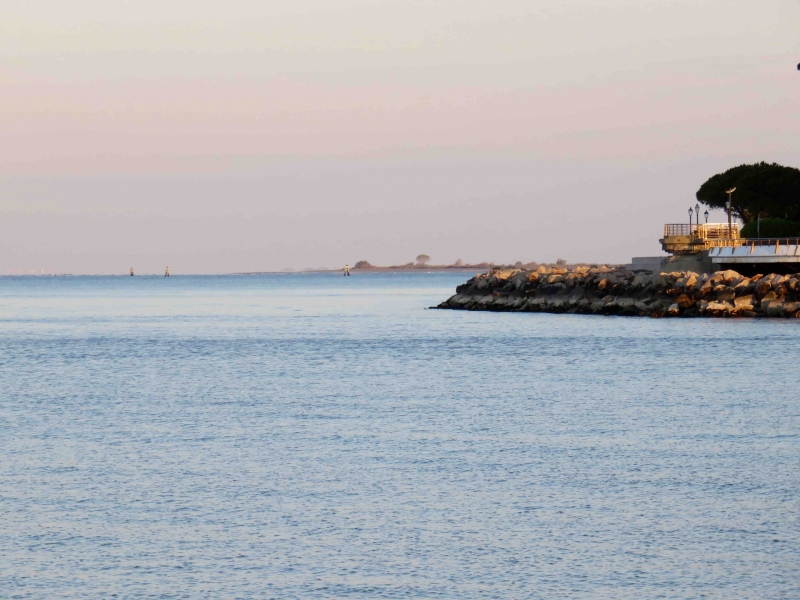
316, 436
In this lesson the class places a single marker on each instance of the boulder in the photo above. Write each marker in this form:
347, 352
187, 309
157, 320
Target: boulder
725, 294
719, 308
516, 303
504, 275
743, 303
705, 291
717, 278
519, 280
534, 303
462, 299
729, 276
684, 301
769, 297
762, 287
774, 308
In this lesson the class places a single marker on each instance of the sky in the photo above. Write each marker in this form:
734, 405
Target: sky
256, 135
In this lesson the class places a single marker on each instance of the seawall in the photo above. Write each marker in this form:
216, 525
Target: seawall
616, 291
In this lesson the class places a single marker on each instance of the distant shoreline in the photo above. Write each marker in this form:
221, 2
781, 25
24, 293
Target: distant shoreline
373, 270
297, 272
480, 267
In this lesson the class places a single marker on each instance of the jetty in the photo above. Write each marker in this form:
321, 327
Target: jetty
618, 291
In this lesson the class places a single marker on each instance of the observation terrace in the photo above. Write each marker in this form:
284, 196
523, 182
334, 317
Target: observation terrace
726, 249
682, 238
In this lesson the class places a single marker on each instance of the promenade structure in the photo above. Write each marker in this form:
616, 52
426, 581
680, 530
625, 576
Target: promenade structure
721, 246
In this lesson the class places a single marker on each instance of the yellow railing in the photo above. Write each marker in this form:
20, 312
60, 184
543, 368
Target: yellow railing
722, 243
671, 229
714, 231
706, 231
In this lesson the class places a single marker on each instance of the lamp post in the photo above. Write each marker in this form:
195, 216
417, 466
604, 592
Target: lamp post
730, 193
705, 214
691, 212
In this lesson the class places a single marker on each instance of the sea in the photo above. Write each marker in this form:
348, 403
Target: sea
318, 436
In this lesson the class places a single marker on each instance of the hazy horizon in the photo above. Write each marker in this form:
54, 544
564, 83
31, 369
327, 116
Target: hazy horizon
253, 137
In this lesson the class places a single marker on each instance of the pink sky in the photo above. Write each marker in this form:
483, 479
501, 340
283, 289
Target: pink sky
219, 137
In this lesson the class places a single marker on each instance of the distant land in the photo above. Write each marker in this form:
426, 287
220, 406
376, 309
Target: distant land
363, 266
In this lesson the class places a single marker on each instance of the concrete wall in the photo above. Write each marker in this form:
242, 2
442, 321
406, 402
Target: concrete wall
697, 263
647, 263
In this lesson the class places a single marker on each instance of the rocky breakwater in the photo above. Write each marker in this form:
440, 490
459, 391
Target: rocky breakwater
611, 291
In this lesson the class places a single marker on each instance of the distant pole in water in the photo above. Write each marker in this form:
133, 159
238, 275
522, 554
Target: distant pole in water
131, 271
347, 270
166, 273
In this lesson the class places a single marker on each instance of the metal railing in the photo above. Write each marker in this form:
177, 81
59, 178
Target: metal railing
722, 243
751, 242
713, 231
792, 241
706, 231
671, 229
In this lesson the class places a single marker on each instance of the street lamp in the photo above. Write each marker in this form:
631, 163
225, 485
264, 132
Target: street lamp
730, 193
691, 212
705, 214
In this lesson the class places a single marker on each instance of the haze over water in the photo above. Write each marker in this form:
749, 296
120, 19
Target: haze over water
314, 436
